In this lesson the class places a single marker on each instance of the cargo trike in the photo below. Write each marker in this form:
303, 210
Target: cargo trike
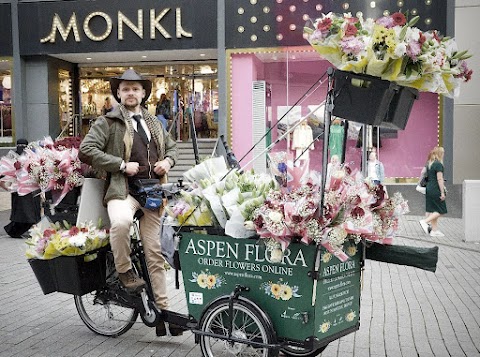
241, 301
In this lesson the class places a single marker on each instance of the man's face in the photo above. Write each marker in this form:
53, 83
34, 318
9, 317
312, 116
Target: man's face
131, 93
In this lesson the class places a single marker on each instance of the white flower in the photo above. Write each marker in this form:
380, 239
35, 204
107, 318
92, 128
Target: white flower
413, 34
400, 50
249, 225
275, 216
78, 240
102, 234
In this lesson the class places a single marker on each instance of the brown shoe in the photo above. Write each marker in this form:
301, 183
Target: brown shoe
160, 329
176, 330
131, 281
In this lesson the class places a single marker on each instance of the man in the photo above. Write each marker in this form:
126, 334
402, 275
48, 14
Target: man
129, 143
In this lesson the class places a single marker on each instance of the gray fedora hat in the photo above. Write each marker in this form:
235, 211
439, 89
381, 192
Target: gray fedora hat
133, 76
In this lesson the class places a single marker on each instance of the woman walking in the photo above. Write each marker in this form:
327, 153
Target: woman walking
435, 195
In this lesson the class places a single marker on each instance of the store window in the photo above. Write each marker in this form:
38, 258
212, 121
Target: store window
266, 84
65, 104
181, 94
6, 92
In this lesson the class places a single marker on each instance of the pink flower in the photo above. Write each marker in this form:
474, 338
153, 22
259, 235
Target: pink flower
399, 19
48, 232
351, 30
325, 24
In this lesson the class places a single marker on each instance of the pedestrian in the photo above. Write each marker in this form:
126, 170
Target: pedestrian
107, 106
26, 209
375, 170
163, 110
129, 143
435, 205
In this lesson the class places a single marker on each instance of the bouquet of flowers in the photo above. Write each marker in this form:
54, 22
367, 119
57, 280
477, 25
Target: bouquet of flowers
391, 48
228, 203
54, 241
44, 165
352, 209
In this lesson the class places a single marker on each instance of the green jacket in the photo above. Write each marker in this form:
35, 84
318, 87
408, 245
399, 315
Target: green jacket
109, 141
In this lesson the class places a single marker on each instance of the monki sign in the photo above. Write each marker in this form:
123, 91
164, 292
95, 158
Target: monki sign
154, 26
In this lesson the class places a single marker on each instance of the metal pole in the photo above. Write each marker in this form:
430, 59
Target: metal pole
329, 104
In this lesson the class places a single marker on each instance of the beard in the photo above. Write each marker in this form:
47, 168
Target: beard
131, 103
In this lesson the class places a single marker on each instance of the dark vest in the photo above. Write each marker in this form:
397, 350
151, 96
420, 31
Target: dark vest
145, 155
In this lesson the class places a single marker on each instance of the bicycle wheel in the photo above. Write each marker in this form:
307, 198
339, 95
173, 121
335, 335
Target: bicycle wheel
101, 311
294, 351
248, 325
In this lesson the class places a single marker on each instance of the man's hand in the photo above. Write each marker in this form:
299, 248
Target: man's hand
131, 168
162, 167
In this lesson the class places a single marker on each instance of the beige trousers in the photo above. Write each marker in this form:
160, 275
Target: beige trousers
121, 214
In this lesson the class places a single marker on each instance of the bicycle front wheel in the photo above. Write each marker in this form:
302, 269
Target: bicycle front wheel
101, 311
247, 326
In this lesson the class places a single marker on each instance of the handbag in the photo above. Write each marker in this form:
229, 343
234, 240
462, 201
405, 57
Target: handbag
423, 178
422, 190
148, 192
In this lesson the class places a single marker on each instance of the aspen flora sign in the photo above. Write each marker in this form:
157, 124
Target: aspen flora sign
143, 29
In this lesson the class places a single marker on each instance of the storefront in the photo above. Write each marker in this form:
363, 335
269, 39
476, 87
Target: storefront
277, 78
78, 45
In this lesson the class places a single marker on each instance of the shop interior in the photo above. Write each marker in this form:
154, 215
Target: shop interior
191, 92
288, 74
6, 123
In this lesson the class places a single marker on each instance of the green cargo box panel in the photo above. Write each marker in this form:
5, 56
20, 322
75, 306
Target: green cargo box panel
213, 265
337, 306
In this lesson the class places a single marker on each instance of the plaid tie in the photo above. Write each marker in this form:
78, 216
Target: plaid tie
140, 129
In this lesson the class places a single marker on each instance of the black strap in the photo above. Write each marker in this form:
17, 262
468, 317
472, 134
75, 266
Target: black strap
140, 129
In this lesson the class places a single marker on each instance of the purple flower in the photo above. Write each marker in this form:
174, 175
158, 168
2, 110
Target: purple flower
352, 45
282, 167
386, 21
413, 50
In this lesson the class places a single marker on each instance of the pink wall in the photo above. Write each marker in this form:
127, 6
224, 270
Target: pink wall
403, 156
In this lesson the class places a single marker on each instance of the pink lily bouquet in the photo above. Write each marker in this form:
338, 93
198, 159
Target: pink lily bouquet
391, 48
353, 208
45, 166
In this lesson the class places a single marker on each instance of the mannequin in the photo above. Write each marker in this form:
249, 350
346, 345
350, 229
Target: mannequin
335, 143
302, 138
375, 169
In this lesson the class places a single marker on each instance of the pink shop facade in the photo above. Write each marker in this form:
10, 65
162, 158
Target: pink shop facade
284, 76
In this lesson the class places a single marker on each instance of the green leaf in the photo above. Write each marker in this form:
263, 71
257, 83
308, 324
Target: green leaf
413, 21
307, 30
403, 33
66, 224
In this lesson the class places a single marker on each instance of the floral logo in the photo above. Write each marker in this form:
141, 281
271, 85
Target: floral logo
205, 280
325, 327
352, 250
280, 290
350, 316
326, 257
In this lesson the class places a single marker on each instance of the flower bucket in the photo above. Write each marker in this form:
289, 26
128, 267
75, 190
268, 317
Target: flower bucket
71, 275
362, 98
400, 108
44, 274
76, 276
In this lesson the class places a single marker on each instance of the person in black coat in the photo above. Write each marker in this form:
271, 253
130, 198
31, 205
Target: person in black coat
25, 209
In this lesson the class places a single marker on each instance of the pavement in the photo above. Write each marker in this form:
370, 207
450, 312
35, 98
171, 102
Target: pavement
404, 311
